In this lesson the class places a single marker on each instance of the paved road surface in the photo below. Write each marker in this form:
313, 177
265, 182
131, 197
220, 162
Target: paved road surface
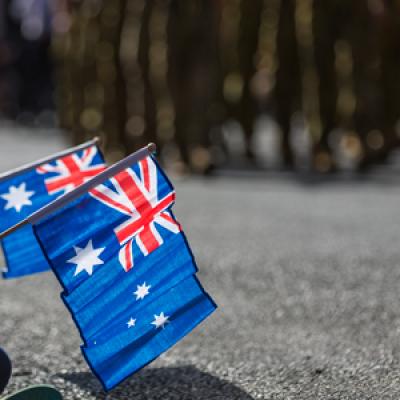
307, 280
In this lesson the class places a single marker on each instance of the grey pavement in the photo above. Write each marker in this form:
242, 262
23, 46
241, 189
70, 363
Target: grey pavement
307, 281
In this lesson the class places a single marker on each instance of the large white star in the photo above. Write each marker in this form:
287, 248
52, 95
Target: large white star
142, 291
86, 258
160, 320
131, 323
17, 197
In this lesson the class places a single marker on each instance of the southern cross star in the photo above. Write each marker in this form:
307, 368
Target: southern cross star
131, 323
160, 320
142, 291
17, 197
86, 258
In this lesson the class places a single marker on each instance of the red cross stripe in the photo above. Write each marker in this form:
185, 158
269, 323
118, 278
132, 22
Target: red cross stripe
71, 170
148, 239
137, 197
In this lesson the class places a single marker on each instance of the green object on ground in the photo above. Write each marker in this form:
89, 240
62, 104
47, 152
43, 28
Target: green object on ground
37, 392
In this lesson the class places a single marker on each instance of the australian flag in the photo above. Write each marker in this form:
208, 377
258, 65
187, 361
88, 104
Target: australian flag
128, 274
24, 192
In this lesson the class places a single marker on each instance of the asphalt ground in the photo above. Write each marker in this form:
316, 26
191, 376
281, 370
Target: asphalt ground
306, 277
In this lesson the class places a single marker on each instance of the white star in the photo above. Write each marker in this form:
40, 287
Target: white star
131, 323
160, 320
142, 291
17, 197
86, 258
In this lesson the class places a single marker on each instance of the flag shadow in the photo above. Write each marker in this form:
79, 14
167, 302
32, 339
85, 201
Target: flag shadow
185, 382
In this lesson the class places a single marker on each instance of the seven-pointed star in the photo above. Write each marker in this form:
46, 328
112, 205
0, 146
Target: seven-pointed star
160, 320
142, 291
86, 258
17, 197
131, 323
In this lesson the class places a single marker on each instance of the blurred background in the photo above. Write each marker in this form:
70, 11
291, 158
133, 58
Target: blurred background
302, 85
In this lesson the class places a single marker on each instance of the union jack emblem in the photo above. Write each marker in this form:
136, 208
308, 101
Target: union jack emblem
137, 197
71, 170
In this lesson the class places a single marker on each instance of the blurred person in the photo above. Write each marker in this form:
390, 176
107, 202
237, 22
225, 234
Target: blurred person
288, 87
25, 66
193, 73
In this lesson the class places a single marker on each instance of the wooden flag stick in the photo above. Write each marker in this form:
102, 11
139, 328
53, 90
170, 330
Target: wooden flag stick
80, 190
27, 167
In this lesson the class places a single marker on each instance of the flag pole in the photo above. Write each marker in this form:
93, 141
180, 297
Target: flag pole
26, 167
82, 189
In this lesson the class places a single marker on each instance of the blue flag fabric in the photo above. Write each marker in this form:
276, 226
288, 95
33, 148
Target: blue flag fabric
23, 255
135, 290
109, 277
157, 328
120, 255
25, 193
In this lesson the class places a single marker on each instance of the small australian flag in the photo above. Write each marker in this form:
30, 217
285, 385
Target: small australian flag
128, 274
24, 192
